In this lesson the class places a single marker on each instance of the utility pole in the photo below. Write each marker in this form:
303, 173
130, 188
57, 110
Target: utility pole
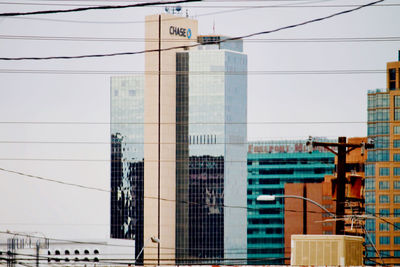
342, 149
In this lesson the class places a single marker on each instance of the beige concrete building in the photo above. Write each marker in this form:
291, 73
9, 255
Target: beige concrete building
162, 32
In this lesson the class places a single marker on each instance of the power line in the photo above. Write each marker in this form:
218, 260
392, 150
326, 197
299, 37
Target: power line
259, 40
11, 14
209, 73
177, 123
194, 45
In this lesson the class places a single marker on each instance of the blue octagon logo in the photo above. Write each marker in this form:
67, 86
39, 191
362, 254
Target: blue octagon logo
189, 33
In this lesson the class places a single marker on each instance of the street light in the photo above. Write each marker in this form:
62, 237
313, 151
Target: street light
152, 239
273, 197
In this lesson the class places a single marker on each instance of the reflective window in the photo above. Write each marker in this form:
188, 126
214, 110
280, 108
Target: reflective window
383, 185
396, 184
369, 183
384, 199
396, 171
384, 171
370, 170
370, 197
384, 212
383, 227
384, 240
396, 143
396, 198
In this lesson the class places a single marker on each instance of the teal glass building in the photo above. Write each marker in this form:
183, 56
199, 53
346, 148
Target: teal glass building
270, 165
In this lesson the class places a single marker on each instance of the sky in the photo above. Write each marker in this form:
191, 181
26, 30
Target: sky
72, 96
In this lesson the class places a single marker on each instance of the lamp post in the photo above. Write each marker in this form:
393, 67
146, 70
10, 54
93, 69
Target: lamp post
273, 197
152, 239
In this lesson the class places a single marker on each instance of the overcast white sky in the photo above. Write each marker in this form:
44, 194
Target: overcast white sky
31, 205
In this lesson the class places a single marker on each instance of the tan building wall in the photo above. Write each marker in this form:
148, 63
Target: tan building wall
159, 215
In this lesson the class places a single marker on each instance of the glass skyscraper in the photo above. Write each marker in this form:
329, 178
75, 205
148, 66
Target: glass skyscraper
215, 77
127, 154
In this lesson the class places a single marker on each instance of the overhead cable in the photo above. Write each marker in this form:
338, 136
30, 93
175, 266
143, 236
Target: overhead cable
194, 45
41, 12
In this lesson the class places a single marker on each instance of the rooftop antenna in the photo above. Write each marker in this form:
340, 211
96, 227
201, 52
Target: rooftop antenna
173, 10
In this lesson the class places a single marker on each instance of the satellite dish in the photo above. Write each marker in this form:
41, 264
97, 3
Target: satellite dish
178, 8
166, 9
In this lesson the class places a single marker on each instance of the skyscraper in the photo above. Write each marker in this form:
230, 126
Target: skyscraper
215, 77
382, 182
127, 155
193, 148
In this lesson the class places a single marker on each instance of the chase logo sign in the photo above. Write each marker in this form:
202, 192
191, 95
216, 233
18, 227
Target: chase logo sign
183, 32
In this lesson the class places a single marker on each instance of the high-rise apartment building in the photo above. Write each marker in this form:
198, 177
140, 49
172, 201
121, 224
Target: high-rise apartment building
271, 165
382, 182
191, 147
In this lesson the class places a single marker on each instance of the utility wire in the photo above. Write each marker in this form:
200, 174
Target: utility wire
12, 14
194, 45
208, 73
258, 40
178, 123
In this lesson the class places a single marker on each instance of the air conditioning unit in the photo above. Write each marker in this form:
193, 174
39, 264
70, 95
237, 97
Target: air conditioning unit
328, 250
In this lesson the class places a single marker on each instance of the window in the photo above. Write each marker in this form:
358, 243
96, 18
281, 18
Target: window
396, 157
396, 212
384, 171
382, 142
384, 212
370, 209
396, 184
370, 170
384, 185
396, 143
397, 114
382, 115
396, 198
369, 183
383, 199
369, 197
396, 240
384, 227
132, 92
384, 253
392, 79
396, 171
397, 253
396, 129
382, 128
396, 226
384, 240
370, 225
371, 129
383, 155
